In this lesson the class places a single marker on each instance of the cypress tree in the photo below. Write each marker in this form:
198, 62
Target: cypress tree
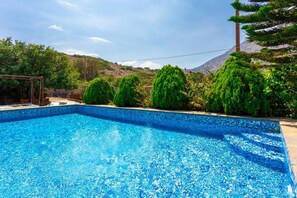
169, 89
238, 88
127, 95
99, 91
272, 25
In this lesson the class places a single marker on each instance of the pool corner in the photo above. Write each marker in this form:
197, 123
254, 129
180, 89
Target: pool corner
289, 129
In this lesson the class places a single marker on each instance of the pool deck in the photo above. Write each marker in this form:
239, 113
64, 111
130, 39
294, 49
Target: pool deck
288, 127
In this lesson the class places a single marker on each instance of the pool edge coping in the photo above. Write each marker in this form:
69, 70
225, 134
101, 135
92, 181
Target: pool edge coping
201, 113
290, 143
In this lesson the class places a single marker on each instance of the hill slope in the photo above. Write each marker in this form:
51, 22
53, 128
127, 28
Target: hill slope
216, 63
91, 67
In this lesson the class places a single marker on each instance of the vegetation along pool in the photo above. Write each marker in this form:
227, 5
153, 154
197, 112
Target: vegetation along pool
101, 151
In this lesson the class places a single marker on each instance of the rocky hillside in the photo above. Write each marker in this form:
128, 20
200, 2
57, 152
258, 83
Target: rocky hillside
91, 67
216, 63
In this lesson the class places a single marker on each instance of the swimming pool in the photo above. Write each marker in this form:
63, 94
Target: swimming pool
100, 151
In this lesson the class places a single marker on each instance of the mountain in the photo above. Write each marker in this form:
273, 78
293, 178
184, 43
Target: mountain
216, 63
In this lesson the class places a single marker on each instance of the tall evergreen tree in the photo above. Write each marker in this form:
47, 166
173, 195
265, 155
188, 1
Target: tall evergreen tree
271, 24
127, 95
169, 89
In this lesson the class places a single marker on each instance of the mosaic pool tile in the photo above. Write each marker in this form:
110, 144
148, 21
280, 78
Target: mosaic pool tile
199, 155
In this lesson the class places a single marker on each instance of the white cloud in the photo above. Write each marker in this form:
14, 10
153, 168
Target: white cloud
56, 27
148, 64
68, 4
99, 40
79, 52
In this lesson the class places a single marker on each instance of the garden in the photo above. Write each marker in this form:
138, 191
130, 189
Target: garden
254, 84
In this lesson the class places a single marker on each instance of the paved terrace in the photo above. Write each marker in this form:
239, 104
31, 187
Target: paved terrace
288, 126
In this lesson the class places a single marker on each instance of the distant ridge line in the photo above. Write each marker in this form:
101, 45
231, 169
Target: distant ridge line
176, 56
217, 62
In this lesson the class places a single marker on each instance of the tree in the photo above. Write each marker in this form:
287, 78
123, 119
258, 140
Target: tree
271, 24
127, 94
20, 58
169, 89
99, 91
238, 89
281, 90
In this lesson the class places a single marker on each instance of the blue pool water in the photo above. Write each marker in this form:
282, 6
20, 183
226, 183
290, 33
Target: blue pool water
76, 155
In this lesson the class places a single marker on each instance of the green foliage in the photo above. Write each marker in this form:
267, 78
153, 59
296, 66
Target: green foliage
19, 58
169, 89
83, 85
147, 78
198, 86
270, 23
281, 90
127, 94
129, 68
145, 95
99, 91
238, 89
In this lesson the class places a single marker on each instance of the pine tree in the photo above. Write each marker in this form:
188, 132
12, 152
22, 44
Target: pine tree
272, 25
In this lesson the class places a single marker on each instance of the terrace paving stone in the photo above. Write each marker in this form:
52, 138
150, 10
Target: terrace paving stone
289, 128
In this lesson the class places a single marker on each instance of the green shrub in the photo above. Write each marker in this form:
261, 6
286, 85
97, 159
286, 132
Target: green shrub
169, 90
238, 88
198, 86
99, 91
127, 94
281, 90
145, 95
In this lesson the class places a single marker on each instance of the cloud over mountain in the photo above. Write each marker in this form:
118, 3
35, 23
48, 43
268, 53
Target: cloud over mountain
141, 64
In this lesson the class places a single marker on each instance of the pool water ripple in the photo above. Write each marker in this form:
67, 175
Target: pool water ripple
78, 155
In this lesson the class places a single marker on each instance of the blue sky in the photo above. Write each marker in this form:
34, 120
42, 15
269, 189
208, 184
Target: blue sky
120, 30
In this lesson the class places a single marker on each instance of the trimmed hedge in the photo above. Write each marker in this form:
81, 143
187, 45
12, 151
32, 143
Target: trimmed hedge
127, 94
169, 89
238, 88
99, 91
